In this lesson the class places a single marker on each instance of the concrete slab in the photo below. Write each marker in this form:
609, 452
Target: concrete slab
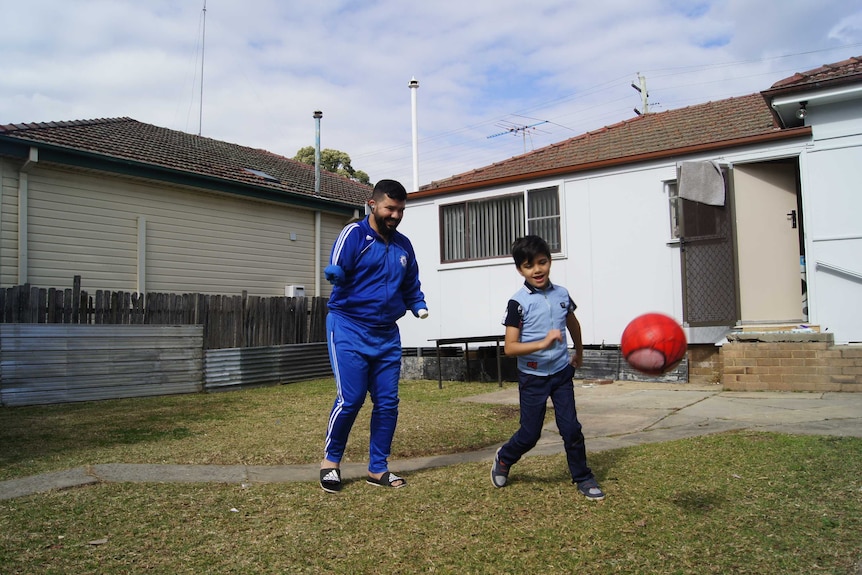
758, 412
837, 428
45, 482
282, 473
617, 422
144, 473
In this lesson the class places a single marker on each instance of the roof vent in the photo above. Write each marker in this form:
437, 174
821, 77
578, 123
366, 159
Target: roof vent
261, 174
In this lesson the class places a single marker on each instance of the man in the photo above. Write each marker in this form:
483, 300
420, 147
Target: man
376, 280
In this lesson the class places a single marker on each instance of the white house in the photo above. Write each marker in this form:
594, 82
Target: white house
737, 213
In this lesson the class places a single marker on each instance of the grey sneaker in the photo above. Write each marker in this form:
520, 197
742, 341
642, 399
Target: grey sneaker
591, 490
499, 472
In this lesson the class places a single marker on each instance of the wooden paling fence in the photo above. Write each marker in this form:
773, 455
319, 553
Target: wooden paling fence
228, 321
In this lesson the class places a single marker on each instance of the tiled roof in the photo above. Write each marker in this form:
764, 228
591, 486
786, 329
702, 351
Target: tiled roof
828, 74
675, 131
704, 126
130, 140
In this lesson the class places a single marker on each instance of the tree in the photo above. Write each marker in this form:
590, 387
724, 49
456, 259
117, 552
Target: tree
334, 161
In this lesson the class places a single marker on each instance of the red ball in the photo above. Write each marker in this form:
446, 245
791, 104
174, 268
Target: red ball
653, 343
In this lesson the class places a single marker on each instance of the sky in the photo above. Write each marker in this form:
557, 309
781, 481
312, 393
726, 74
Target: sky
497, 78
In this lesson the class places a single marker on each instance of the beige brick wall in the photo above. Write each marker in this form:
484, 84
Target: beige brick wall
790, 362
704, 364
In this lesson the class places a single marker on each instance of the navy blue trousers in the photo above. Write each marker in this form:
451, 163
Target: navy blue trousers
534, 391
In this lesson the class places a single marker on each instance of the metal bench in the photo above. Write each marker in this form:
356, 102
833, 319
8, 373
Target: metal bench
466, 341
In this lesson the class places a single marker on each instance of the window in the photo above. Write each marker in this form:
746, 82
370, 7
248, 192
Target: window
673, 199
543, 216
486, 228
692, 219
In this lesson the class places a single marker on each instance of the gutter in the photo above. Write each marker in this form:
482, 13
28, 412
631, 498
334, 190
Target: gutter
791, 133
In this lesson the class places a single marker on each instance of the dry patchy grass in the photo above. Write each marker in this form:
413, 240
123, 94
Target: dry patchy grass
741, 503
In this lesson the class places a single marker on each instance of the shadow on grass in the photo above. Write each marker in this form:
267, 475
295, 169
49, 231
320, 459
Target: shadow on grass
38, 432
697, 501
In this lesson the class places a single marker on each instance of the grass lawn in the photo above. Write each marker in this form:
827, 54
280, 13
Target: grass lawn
741, 502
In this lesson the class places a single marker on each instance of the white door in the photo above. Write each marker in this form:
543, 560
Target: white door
767, 238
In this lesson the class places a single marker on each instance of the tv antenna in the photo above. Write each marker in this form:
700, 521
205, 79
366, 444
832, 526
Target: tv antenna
641, 89
516, 129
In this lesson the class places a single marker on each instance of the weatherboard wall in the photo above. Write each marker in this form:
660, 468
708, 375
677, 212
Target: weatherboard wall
102, 227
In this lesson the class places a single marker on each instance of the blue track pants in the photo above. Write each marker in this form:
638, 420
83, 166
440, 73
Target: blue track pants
365, 362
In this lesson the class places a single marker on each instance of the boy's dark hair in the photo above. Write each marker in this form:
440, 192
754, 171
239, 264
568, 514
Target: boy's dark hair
527, 248
389, 188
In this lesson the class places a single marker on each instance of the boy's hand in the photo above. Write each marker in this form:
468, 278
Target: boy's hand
553, 336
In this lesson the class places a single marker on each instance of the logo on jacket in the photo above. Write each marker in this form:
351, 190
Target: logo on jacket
403, 261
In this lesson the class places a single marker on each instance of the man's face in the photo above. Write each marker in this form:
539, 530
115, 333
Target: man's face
386, 214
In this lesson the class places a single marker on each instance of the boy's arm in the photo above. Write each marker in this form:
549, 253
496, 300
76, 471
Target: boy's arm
514, 346
574, 327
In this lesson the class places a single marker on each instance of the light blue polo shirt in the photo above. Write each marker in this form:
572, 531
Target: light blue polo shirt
535, 312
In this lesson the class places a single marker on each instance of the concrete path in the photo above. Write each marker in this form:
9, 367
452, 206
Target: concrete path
614, 415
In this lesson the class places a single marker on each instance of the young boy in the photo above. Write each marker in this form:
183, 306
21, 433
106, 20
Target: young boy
536, 319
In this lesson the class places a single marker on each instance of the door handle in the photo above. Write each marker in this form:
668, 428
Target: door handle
792, 217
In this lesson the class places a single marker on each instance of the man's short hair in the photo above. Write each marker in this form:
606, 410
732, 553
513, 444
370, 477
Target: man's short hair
389, 188
526, 249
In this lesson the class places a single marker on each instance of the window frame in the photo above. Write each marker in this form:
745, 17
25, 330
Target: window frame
446, 215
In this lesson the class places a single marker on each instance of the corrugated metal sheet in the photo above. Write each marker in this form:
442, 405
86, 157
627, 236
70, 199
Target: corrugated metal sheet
250, 366
609, 364
58, 363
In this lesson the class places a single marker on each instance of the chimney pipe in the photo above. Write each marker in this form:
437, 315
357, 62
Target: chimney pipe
414, 88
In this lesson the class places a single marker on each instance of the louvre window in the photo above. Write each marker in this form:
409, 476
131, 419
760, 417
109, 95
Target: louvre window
486, 228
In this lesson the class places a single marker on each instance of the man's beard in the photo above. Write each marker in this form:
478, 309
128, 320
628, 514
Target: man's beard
382, 227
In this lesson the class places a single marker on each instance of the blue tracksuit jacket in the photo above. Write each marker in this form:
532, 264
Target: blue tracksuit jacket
375, 283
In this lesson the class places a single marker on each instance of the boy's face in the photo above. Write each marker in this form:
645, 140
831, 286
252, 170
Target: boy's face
537, 272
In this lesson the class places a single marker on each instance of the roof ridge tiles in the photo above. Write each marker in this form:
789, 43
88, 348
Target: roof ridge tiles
827, 72
60, 124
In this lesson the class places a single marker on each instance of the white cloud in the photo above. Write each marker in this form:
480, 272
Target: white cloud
847, 30
482, 66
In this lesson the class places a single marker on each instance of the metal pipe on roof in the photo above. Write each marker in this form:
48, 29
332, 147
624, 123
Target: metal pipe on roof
317, 116
317, 225
414, 88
